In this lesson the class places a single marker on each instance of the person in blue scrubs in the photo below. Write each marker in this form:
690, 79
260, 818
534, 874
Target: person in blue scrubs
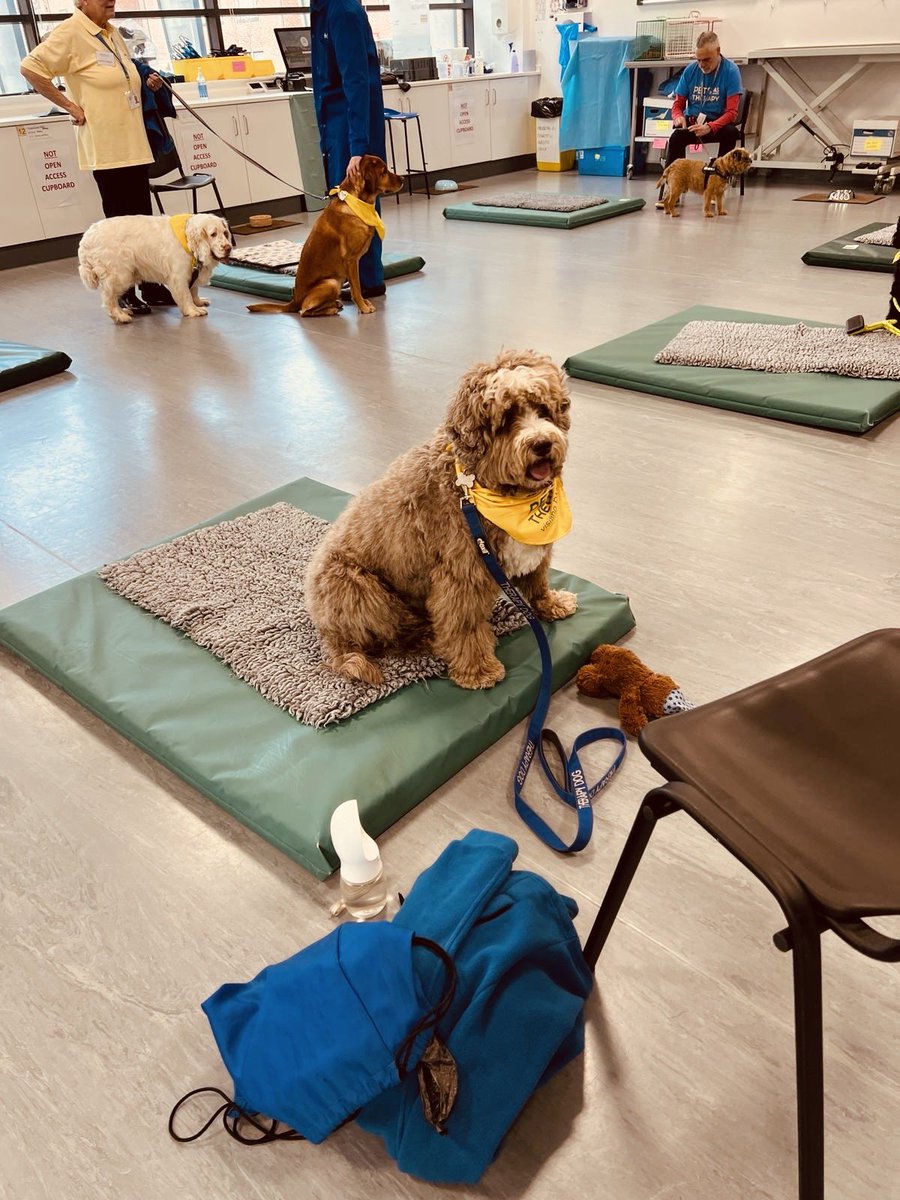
346, 79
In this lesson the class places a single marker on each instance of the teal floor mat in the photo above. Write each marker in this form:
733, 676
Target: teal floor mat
530, 216
853, 256
829, 401
280, 778
281, 287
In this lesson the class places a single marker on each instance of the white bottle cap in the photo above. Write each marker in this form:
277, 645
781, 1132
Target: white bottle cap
360, 860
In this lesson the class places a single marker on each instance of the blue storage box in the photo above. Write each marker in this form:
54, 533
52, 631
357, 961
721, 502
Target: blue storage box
602, 160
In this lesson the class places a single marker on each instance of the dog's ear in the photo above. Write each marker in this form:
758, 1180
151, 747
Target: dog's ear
197, 231
372, 168
468, 421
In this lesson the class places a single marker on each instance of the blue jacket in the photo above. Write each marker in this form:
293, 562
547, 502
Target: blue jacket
156, 106
518, 1012
346, 77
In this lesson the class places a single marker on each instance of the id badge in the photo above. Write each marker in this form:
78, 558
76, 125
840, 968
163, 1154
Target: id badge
133, 101
105, 58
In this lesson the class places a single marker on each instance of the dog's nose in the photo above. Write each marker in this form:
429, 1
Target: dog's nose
542, 449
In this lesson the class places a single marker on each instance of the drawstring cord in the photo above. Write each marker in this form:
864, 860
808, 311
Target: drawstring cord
233, 1114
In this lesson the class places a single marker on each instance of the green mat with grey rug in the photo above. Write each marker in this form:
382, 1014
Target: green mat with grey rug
279, 777
848, 253
262, 281
809, 398
601, 210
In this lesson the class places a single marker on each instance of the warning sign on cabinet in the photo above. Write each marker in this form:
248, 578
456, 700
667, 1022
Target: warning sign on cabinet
52, 166
463, 116
201, 156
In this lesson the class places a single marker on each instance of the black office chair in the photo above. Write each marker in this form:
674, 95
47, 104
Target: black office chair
165, 165
799, 778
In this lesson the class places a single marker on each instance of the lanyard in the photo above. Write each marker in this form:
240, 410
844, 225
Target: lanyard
110, 47
576, 793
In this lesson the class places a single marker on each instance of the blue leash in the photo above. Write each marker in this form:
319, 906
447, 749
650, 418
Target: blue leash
576, 793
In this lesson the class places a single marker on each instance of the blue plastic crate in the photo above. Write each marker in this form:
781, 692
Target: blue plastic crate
602, 160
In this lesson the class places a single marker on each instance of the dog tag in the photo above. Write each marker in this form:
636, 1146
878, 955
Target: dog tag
133, 101
105, 58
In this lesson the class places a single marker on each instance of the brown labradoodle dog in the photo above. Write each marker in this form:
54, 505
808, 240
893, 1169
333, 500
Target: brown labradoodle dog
398, 570
686, 175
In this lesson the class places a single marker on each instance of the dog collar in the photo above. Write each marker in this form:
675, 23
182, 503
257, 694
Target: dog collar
179, 228
533, 518
362, 209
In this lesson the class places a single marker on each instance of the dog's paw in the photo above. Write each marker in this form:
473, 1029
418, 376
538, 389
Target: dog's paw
202, 302
121, 316
367, 307
556, 605
485, 675
194, 312
356, 666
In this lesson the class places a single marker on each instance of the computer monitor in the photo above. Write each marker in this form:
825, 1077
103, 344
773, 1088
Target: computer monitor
296, 49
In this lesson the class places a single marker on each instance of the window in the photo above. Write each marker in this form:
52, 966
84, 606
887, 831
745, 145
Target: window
160, 26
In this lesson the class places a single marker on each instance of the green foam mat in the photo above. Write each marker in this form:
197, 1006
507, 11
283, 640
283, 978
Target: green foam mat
280, 778
828, 401
853, 256
25, 364
531, 216
281, 287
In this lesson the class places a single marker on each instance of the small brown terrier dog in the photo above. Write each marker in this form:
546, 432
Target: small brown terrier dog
336, 243
685, 175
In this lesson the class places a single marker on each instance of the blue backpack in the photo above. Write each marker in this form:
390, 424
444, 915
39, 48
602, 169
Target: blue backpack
432, 1030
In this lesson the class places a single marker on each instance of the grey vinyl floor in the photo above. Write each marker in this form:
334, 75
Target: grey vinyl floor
746, 546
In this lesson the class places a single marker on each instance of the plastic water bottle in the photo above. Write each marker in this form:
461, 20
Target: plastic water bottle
513, 58
363, 885
202, 89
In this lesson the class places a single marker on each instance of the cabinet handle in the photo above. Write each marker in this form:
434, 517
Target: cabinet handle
237, 131
494, 90
246, 126
487, 95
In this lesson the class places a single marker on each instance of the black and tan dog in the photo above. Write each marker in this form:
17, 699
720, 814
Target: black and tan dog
336, 243
710, 182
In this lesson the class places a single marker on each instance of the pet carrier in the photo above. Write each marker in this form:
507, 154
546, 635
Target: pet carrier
649, 40
682, 33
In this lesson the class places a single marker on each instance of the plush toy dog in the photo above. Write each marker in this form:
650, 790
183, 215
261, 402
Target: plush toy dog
615, 671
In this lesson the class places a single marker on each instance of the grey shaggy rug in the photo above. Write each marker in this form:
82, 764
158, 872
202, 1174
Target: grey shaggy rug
280, 256
878, 237
541, 201
236, 589
783, 349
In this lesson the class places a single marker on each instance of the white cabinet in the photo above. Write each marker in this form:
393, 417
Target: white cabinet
431, 106
470, 122
21, 219
262, 129
268, 136
512, 125
65, 198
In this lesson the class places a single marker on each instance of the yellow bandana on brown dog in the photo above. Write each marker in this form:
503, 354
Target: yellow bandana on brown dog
362, 209
534, 518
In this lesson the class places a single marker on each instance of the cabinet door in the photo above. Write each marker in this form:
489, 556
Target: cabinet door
21, 219
200, 151
470, 122
268, 133
66, 197
432, 105
512, 126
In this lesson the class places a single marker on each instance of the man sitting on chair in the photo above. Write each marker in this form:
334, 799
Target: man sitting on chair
707, 99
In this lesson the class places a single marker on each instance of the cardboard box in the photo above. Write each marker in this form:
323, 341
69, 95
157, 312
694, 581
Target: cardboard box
602, 160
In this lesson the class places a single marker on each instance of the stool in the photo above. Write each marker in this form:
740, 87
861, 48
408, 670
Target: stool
391, 115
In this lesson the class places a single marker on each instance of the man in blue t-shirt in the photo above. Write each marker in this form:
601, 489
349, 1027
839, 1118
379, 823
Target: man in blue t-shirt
707, 99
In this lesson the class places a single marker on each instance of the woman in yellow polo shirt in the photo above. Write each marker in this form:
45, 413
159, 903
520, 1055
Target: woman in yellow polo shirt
104, 102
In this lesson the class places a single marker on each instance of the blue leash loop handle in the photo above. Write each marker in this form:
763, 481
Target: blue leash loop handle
575, 791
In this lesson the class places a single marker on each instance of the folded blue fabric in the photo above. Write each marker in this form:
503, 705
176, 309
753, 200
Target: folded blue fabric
596, 94
312, 1039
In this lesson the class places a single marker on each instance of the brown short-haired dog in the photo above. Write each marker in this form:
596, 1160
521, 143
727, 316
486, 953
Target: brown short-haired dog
399, 571
336, 243
688, 175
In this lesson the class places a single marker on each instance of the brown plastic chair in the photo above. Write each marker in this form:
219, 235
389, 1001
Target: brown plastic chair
799, 777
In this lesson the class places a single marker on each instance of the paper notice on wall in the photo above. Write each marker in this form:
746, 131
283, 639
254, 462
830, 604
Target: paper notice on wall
410, 30
201, 149
547, 140
52, 164
463, 116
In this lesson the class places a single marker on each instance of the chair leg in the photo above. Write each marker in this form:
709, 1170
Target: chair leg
424, 163
409, 174
807, 965
159, 204
390, 129
653, 809
215, 189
